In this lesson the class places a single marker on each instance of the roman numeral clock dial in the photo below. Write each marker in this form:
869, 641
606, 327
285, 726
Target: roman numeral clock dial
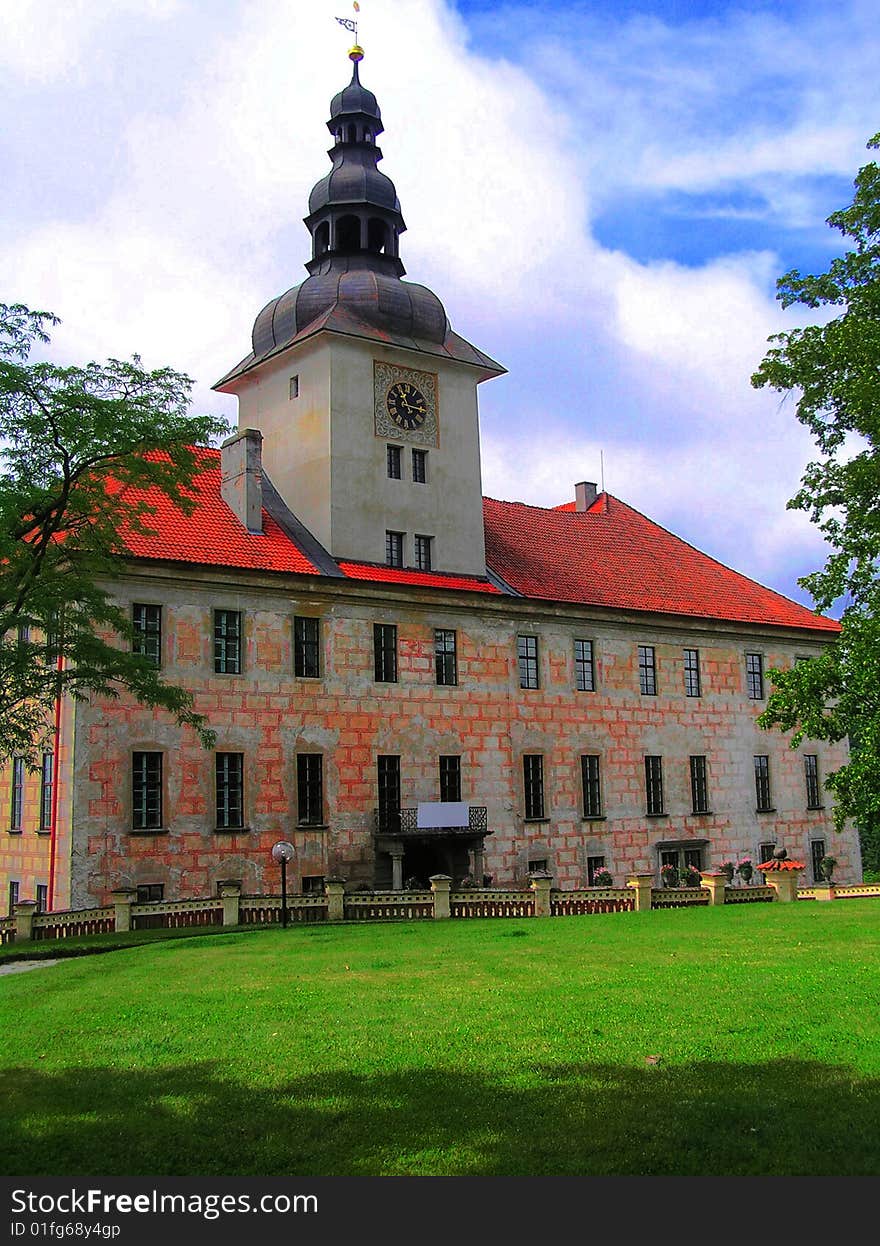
405, 404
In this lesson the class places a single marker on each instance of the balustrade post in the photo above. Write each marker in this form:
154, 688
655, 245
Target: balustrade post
824, 891
230, 894
334, 890
540, 883
784, 883
715, 884
122, 902
24, 920
440, 886
642, 885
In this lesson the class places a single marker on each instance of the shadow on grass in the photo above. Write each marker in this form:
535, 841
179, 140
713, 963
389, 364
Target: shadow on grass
784, 1117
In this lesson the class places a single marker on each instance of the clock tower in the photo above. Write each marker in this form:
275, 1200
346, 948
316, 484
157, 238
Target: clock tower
365, 397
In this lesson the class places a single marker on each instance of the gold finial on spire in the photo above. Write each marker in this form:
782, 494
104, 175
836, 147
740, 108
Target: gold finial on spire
355, 53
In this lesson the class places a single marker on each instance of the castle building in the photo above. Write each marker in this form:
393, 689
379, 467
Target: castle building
405, 677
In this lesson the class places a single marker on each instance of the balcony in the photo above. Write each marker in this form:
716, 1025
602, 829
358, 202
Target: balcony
405, 823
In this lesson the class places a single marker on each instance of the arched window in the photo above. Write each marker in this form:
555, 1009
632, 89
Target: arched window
352, 133
322, 238
348, 234
377, 235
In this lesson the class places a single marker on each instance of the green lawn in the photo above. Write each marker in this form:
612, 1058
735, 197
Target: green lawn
465, 1047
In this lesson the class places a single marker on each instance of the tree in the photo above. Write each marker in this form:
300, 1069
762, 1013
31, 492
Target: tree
73, 442
835, 368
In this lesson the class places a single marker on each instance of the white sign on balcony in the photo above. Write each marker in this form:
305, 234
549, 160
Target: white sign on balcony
433, 814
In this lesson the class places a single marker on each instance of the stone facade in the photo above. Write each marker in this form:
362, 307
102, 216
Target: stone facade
269, 716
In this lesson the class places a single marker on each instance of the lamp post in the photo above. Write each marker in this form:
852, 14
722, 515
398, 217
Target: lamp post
283, 852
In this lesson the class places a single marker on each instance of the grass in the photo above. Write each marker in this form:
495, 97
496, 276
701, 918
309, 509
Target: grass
467, 1047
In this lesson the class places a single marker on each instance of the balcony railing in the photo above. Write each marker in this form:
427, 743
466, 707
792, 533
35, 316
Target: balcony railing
398, 822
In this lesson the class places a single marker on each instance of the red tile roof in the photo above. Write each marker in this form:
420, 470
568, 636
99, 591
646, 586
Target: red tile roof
425, 579
611, 555
211, 534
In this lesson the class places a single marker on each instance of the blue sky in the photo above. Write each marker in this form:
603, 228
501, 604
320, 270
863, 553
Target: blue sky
603, 195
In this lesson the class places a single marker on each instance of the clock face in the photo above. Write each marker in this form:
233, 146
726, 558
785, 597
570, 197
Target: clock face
407, 405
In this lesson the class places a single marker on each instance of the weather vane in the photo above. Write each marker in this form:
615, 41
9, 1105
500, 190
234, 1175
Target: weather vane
351, 24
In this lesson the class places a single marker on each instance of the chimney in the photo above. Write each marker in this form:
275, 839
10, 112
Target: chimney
241, 477
584, 495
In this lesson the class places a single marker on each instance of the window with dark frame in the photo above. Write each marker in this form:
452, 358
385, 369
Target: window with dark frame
14, 886
53, 636
23, 635
150, 893
527, 655
306, 647
533, 785
388, 781
450, 778
310, 789
755, 676
146, 791
394, 458
765, 852
16, 802
227, 642
699, 785
312, 884
394, 549
584, 672
654, 786
293, 388
647, 671
445, 656
147, 623
47, 788
591, 785
420, 466
594, 864
385, 653
762, 783
42, 897
422, 546
817, 852
691, 672
811, 778
229, 770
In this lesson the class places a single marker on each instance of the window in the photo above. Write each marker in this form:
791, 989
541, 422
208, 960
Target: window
811, 777
682, 857
450, 778
47, 787
150, 893
594, 864
699, 785
310, 789
147, 623
423, 545
762, 783
227, 642
691, 672
393, 462
584, 673
420, 466
306, 647
817, 852
654, 785
765, 852
13, 897
647, 671
533, 784
755, 676
53, 636
385, 653
23, 635
388, 777
146, 791
17, 795
394, 549
312, 884
527, 653
230, 791
445, 657
591, 786
42, 897
293, 388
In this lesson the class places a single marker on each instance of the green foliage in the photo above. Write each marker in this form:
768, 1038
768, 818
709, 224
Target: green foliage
835, 369
73, 441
